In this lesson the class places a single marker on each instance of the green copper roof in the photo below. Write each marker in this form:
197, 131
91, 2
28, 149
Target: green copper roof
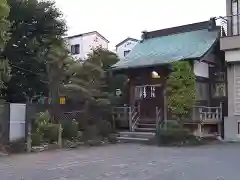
166, 49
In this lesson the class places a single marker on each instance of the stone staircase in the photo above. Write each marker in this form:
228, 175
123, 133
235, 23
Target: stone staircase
146, 125
144, 131
127, 136
140, 128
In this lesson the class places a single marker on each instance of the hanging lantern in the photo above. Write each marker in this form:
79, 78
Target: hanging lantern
118, 92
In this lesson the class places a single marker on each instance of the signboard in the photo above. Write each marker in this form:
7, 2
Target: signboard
62, 100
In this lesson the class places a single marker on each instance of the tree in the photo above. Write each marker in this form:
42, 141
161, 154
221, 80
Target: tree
84, 79
57, 60
4, 24
106, 59
103, 58
35, 27
181, 89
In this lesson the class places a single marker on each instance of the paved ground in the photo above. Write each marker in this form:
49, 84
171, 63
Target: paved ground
127, 162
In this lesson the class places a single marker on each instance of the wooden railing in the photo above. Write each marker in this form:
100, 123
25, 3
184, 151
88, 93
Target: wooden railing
158, 118
208, 114
133, 118
130, 114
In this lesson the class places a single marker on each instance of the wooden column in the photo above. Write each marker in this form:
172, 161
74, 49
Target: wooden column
131, 92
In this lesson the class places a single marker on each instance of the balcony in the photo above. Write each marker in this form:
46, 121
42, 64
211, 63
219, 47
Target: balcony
230, 34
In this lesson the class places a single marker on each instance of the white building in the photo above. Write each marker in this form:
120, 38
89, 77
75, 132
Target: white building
125, 46
230, 44
81, 45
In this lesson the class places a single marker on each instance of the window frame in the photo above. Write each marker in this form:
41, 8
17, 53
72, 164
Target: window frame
125, 53
75, 49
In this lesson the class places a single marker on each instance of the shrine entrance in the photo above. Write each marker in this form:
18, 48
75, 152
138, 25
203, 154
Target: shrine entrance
147, 98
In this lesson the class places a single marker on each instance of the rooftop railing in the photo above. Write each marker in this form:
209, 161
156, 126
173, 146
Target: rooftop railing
230, 25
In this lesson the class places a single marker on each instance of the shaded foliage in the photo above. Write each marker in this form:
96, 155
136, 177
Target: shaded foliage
4, 25
35, 26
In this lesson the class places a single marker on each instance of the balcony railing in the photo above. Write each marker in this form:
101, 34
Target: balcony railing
230, 25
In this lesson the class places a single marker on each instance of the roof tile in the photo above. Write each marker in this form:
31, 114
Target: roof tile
166, 49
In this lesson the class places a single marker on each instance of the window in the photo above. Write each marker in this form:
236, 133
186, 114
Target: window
235, 18
126, 53
202, 91
218, 90
140, 92
75, 49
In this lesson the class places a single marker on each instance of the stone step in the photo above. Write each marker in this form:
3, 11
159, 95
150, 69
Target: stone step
140, 125
130, 139
137, 134
145, 121
128, 133
145, 129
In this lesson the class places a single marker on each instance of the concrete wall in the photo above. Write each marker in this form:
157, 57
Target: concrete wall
126, 46
91, 42
75, 41
231, 122
17, 121
232, 56
87, 43
230, 43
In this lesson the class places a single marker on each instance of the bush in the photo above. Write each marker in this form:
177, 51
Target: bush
105, 128
42, 120
173, 133
70, 130
43, 127
50, 132
172, 124
36, 139
172, 136
91, 132
112, 138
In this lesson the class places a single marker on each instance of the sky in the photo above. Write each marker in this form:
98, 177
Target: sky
119, 19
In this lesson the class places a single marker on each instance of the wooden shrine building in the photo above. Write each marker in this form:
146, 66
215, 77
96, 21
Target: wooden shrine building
149, 63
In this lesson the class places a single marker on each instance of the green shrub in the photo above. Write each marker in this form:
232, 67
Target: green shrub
50, 132
36, 139
173, 133
112, 138
105, 128
91, 132
42, 120
70, 130
172, 124
194, 140
172, 136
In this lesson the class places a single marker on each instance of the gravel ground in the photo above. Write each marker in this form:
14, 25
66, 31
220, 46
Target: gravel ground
126, 162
